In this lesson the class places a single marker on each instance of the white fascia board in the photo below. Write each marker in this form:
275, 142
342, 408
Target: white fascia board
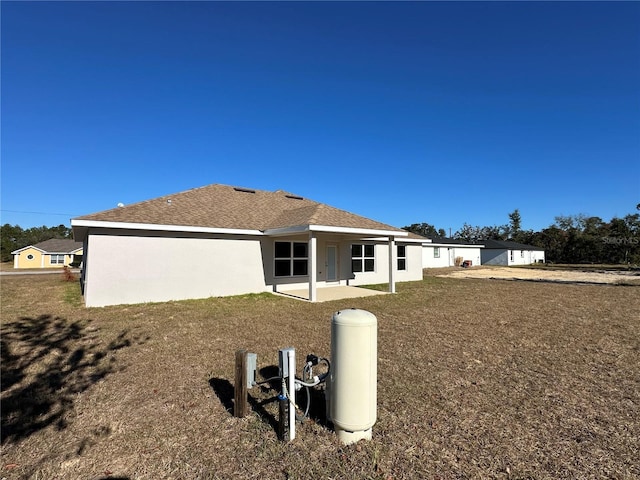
273, 232
164, 228
412, 240
460, 245
358, 231
15, 252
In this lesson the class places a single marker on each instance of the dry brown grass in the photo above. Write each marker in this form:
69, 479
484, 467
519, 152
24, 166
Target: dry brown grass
477, 379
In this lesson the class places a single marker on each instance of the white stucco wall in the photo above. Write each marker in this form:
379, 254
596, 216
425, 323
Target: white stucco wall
381, 273
448, 254
525, 257
137, 269
537, 256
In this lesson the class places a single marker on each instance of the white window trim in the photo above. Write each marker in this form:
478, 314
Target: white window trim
57, 257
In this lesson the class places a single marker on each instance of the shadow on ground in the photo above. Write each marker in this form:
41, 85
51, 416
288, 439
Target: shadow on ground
267, 392
45, 362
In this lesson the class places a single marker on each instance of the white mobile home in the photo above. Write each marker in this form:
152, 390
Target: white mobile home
448, 252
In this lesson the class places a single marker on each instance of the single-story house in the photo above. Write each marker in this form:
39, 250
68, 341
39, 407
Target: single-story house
53, 253
220, 240
496, 252
449, 252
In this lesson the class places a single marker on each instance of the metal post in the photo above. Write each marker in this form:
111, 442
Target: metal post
292, 393
392, 264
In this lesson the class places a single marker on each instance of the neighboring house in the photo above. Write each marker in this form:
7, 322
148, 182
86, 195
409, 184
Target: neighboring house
508, 253
220, 240
54, 253
443, 252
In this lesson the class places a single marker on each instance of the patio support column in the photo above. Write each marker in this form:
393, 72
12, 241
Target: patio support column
312, 266
393, 260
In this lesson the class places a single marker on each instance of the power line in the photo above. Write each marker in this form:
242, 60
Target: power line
40, 213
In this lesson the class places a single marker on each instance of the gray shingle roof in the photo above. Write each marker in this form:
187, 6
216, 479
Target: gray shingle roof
453, 241
507, 245
58, 245
223, 206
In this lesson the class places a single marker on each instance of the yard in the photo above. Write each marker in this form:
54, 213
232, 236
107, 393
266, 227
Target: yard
477, 378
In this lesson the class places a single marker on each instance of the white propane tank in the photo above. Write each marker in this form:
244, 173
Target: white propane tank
352, 386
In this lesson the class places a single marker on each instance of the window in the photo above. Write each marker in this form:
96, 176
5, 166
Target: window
30, 257
521, 253
57, 259
436, 252
291, 259
511, 255
402, 257
363, 258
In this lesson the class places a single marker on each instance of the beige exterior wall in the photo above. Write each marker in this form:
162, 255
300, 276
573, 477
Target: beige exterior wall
139, 269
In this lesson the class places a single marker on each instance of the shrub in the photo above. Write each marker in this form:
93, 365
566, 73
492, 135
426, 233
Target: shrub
68, 275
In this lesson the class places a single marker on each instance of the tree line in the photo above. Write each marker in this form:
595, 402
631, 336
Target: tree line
570, 239
13, 237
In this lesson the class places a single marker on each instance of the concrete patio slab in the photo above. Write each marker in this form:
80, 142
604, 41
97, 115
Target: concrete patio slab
327, 294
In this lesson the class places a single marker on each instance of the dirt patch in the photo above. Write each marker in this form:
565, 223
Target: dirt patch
563, 276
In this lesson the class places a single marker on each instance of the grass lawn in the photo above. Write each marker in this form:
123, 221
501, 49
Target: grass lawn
476, 379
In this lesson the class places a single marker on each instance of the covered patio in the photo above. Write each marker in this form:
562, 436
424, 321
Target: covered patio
312, 235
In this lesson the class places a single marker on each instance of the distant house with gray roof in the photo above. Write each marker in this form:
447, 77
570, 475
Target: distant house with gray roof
53, 253
507, 253
449, 252
220, 240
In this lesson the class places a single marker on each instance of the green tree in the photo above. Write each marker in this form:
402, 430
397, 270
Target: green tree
567, 222
10, 237
13, 237
553, 240
515, 223
570, 239
425, 229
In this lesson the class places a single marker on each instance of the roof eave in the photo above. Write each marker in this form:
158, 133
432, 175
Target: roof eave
82, 225
466, 245
15, 252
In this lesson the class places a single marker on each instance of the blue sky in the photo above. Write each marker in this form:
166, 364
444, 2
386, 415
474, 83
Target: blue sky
404, 112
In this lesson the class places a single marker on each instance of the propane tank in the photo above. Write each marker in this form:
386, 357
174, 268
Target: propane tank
352, 385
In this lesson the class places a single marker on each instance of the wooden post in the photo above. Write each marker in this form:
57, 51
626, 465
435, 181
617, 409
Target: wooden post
240, 401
